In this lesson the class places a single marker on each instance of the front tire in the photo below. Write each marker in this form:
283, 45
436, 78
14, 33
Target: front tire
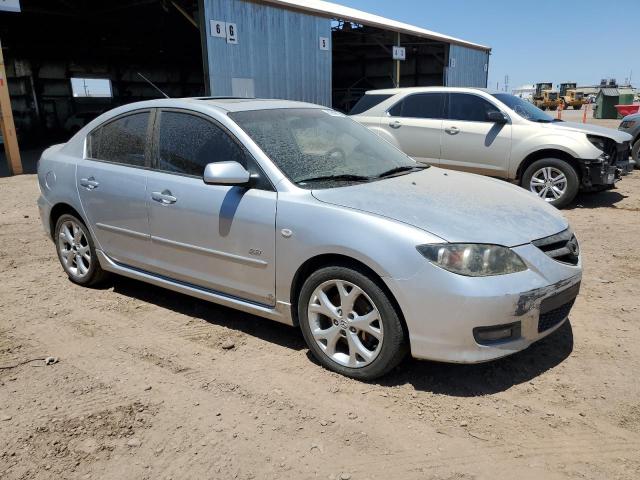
350, 324
553, 180
76, 251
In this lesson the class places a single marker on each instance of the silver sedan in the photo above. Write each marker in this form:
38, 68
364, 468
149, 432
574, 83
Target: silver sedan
296, 213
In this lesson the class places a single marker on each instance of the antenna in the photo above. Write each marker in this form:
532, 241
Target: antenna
153, 85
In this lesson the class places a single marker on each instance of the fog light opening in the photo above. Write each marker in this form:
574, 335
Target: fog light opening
497, 333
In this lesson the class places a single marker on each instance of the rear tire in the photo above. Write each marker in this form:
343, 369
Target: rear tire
577, 107
350, 324
76, 251
556, 176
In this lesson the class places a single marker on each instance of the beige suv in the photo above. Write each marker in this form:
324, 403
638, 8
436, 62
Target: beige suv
499, 135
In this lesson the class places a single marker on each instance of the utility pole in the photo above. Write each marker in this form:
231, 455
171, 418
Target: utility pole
11, 150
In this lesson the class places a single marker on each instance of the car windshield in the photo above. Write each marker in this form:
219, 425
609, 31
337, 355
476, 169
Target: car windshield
318, 148
523, 108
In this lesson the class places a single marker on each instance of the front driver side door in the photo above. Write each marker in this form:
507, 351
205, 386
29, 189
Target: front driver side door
221, 238
472, 143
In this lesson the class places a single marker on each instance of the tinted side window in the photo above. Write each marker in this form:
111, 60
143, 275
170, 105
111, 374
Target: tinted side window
396, 110
424, 105
188, 143
472, 108
367, 102
121, 141
421, 105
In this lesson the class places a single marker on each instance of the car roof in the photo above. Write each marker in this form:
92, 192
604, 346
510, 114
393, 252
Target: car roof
396, 91
239, 104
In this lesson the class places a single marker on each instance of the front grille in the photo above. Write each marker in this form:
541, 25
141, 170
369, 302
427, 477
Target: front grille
554, 317
562, 247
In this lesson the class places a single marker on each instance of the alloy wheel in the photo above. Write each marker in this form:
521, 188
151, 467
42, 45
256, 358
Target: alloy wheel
549, 183
74, 249
345, 323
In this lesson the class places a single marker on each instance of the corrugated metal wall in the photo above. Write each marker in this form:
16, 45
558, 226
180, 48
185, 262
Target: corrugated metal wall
468, 67
278, 53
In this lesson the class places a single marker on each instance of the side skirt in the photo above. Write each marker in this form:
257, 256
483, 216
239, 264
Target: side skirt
280, 313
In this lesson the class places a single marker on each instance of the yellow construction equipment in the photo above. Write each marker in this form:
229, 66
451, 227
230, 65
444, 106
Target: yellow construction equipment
570, 97
545, 97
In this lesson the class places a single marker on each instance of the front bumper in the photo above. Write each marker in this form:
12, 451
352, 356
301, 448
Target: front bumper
443, 309
607, 172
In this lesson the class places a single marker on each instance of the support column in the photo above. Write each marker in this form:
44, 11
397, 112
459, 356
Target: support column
398, 62
11, 150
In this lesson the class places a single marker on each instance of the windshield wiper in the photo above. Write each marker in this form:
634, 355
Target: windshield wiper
345, 177
404, 168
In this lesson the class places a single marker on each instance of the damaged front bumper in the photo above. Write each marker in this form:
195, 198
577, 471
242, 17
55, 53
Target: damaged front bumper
607, 169
598, 172
475, 319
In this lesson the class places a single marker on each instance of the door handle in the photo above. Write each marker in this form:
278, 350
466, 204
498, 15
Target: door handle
89, 183
452, 130
395, 124
165, 197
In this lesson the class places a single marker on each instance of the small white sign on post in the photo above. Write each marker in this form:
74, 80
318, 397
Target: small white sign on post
399, 53
218, 29
232, 33
324, 43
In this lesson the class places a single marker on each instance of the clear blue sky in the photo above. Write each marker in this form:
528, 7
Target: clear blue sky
536, 40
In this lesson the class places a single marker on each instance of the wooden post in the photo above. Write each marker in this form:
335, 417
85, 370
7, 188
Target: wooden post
11, 150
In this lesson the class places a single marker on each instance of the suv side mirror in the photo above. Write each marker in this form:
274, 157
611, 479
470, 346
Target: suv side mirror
497, 117
225, 173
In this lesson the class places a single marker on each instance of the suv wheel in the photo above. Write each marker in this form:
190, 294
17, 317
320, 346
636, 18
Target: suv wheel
349, 323
553, 180
76, 251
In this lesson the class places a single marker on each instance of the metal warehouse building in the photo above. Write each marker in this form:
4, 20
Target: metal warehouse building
327, 53
68, 60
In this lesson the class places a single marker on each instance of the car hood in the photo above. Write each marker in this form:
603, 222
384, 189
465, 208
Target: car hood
616, 135
455, 206
633, 116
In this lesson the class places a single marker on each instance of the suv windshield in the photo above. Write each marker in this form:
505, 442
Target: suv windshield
317, 148
523, 108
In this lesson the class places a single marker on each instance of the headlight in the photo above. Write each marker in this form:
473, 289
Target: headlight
473, 259
599, 142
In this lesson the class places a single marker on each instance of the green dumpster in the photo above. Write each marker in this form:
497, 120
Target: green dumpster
606, 102
627, 95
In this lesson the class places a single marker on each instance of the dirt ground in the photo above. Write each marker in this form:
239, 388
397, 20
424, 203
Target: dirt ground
144, 388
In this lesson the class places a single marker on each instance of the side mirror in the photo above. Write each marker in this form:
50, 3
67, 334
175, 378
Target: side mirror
497, 117
225, 173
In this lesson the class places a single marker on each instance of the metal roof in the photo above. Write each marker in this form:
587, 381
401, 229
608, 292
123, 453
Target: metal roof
333, 10
609, 92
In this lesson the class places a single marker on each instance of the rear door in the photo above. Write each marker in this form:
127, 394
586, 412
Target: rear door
218, 237
111, 181
472, 143
415, 123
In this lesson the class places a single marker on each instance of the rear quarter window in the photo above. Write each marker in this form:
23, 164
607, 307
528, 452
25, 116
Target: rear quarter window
367, 102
